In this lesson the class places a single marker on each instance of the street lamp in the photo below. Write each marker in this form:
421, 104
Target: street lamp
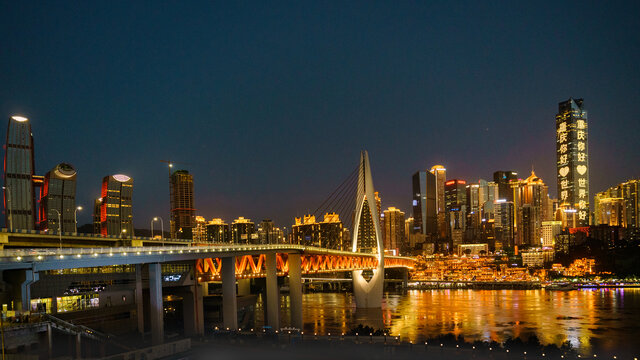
8, 192
161, 228
59, 226
75, 217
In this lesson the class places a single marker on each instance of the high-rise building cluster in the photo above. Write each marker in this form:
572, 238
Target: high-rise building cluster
505, 213
618, 207
34, 202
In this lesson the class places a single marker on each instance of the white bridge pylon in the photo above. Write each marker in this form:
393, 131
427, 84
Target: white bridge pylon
368, 294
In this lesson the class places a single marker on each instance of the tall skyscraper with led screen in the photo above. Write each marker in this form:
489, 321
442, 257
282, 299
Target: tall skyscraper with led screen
19, 190
572, 159
441, 177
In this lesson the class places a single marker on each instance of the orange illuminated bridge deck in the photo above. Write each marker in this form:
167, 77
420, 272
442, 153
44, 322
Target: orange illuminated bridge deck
250, 259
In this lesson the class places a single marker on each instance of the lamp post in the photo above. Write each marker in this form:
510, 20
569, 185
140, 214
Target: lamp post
161, 228
75, 218
8, 192
59, 226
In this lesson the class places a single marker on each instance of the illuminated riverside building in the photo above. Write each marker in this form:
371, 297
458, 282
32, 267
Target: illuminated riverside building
268, 233
217, 231
393, 230
503, 180
441, 178
115, 206
182, 208
200, 230
424, 204
549, 231
503, 224
531, 203
329, 233
58, 196
474, 213
573, 159
19, 189
536, 257
243, 231
618, 205
472, 268
456, 207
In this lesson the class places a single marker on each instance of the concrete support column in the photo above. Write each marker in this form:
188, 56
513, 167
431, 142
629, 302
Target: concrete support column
156, 310
229, 303
78, 346
244, 287
295, 290
25, 289
193, 311
49, 341
273, 305
45, 344
139, 299
405, 278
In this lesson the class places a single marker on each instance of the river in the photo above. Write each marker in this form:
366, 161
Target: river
592, 320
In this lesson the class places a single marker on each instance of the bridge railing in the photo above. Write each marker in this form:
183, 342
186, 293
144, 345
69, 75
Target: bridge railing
211, 251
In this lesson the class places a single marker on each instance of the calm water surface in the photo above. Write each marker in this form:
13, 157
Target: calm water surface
592, 320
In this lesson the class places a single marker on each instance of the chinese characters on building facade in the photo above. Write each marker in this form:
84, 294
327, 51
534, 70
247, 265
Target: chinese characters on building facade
572, 160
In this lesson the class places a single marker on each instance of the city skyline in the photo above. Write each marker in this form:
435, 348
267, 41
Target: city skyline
254, 134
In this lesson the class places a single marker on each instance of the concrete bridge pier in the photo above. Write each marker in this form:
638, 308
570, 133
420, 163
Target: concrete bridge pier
244, 287
193, 311
405, 278
295, 290
272, 301
139, 300
156, 309
78, 346
229, 303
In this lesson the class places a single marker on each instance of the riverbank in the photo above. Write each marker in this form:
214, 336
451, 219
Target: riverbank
234, 345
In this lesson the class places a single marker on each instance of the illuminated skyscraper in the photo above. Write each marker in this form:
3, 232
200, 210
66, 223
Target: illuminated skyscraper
441, 178
474, 213
424, 204
19, 191
456, 207
182, 210
620, 206
393, 230
58, 195
116, 215
503, 224
504, 179
531, 209
572, 159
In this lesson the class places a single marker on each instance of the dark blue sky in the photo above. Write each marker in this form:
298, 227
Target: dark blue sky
271, 102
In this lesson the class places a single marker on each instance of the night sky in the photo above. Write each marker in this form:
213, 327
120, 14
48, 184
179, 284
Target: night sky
269, 103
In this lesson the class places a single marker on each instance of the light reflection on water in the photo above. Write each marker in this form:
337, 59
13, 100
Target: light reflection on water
608, 318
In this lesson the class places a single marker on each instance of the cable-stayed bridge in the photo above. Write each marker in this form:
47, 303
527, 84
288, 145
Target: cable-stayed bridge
228, 263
